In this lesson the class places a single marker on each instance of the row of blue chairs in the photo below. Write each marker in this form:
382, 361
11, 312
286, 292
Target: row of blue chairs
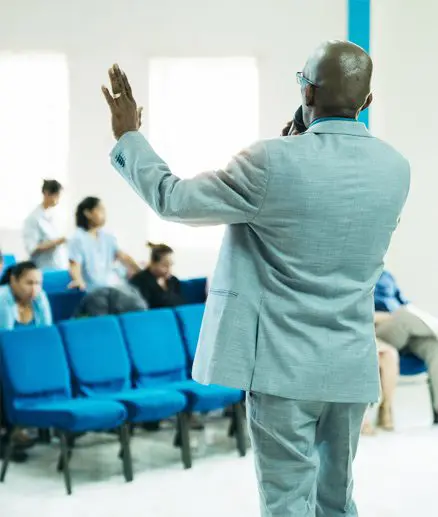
107, 373
64, 302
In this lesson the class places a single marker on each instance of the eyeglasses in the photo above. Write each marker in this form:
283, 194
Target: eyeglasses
302, 81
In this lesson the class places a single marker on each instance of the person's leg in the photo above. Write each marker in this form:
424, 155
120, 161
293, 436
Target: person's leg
283, 438
337, 437
389, 371
401, 327
427, 350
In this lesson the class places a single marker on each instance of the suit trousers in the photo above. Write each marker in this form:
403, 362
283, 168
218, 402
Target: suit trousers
304, 453
408, 333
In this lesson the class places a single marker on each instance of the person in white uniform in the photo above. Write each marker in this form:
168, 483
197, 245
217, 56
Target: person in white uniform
43, 240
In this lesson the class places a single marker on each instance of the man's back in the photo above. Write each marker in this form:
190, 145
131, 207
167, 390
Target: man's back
290, 310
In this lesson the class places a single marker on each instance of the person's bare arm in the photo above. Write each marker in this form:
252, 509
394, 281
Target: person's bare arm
76, 275
49, 245
130, 264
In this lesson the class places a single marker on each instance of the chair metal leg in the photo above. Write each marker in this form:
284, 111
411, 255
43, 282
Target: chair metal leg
70, 440
65, 455
7, 457
239, 428
125, 452
44, 435
183, 438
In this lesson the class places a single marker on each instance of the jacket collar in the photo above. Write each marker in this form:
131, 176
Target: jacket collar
339, 126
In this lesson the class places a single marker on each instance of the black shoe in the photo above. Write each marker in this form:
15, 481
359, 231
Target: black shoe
151, 426
18, 455
435, 417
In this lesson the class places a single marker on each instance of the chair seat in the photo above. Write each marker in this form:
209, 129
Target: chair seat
411, 365
207, 398
149, 405
74, 415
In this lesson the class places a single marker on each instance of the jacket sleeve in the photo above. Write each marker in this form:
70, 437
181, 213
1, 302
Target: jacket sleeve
231, 195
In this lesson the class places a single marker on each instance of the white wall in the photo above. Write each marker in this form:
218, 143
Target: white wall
404, 43
94, 34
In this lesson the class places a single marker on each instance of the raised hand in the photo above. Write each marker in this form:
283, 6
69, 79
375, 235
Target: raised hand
125, 116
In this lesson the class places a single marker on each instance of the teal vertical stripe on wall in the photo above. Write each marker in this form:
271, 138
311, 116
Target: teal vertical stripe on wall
359, 32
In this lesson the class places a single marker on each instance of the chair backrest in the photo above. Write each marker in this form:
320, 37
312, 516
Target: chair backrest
64, 304
155, 347
33, 367
190, 320
56, 281
194, 290
97, 355
9, 260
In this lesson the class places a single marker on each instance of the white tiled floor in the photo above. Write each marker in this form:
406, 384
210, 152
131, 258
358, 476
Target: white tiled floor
396, 475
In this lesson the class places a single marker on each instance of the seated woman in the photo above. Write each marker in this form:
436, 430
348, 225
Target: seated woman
22, 300
22, 304
156, 283
93, 251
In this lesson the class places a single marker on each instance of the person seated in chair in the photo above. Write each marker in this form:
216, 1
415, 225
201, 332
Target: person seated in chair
93, 251
156, 283
22, 304
407, 328
22, 300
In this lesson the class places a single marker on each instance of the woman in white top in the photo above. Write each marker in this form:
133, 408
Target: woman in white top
42, 239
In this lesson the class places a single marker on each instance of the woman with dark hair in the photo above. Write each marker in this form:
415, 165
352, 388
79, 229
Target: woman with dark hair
22, 301
156, 283
42, 238
92, 251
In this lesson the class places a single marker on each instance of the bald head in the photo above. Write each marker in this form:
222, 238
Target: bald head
340, 73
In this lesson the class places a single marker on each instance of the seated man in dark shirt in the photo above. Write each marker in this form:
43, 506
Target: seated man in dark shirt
407, 328
156, 284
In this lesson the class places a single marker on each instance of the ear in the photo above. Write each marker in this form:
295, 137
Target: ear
309, 95
368, 101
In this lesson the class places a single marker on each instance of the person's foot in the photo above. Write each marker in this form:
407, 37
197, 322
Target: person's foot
151, 426
435, 417
18, 455
368, 429
384, 420
22, 440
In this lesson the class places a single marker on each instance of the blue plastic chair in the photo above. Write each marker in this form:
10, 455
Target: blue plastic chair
101, 369
56, 281
411, 365
194, 290
190, 321
157, 354
64, 304
9, 260
37, 393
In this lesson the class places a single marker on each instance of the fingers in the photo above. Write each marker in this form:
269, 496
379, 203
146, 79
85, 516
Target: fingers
127, 86
108, 97
117, 85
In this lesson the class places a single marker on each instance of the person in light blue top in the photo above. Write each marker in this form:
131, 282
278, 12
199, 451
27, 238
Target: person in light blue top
22, 300
92, 251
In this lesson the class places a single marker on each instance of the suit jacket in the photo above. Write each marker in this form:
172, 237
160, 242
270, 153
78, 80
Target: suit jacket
310, 217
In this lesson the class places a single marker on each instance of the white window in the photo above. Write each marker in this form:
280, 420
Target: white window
201, 112
34, 103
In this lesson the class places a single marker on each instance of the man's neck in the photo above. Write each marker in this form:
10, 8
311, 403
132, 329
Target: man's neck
334, 115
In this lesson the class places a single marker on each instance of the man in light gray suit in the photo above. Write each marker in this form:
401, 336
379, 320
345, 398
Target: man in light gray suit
289, 316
